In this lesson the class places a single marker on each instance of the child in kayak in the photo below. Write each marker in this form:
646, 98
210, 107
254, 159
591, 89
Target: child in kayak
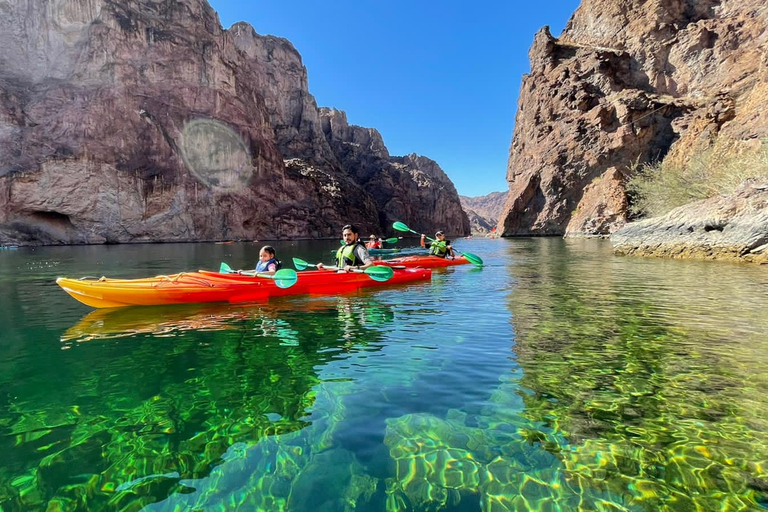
353, 254
440, 247
374, 243
267, 264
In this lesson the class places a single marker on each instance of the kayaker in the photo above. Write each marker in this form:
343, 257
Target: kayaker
374, 243
440, 247
353, 254
267, 264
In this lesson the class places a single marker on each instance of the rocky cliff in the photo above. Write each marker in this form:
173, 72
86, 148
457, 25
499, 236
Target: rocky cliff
629, 83
484, 211
145, 120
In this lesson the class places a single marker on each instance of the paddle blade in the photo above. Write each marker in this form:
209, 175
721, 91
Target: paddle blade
472, 258
392, 240
379, 273
225, 269
399, 226
300, 264
284, 278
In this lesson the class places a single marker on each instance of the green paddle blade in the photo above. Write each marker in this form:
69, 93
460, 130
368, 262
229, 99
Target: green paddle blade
392, 240
284, 278
300, 264
225, 269
379, 273
399, 226
472, 258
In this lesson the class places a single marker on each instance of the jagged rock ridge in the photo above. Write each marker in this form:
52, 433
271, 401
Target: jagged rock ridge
628, 83
484, 211
143, 120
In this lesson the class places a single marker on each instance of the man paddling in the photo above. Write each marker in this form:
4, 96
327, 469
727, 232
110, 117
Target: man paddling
353, 254
440, 247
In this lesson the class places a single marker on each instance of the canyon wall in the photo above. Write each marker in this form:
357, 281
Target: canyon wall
143, 121
629, 83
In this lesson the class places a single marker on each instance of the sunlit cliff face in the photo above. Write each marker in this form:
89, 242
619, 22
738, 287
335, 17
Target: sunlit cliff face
115, 127
627, 84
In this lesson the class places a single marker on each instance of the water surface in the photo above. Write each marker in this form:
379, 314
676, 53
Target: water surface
558, 377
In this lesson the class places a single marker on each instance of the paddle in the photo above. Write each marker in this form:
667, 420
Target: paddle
392, 240
472, 258
377, 273
284, 278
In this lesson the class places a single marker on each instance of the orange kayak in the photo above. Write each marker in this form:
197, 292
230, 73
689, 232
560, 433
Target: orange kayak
423, 262
204, 286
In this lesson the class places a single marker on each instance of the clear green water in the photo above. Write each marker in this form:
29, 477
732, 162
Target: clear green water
558, 377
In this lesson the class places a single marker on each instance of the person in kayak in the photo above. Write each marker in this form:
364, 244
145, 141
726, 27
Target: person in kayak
353, 254
268, 264
374, 243
440, 247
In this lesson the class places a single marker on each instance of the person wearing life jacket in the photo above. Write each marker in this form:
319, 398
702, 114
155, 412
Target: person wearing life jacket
374, 243
268, 264
353, 254
440, 247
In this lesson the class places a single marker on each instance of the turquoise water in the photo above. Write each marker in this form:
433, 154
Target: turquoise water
558, 377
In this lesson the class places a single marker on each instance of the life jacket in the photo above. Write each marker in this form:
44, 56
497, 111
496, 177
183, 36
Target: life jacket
346, 255
263, 266
373, 245
439, 248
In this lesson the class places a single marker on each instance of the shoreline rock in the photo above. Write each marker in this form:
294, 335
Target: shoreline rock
731, 228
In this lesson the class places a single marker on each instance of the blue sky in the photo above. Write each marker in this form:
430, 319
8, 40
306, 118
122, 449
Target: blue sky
440, 79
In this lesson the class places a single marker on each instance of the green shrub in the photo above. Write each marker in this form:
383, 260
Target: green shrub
655, 189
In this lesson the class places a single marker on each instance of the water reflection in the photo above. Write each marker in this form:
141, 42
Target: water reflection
192, 390
643, 385
558, 377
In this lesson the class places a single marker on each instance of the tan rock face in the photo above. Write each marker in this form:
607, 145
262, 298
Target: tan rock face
625, 84
484, 211
146, 121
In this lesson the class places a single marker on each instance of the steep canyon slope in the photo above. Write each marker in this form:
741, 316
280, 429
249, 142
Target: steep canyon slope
629, 83
484, 211
145, 120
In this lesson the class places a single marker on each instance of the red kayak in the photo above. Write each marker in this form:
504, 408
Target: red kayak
204, 286
423, 262
325, 282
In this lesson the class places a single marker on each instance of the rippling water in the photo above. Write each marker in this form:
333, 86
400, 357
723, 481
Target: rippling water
557, 377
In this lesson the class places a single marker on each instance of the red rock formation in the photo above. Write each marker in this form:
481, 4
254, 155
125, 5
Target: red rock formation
143, 120
625, 84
